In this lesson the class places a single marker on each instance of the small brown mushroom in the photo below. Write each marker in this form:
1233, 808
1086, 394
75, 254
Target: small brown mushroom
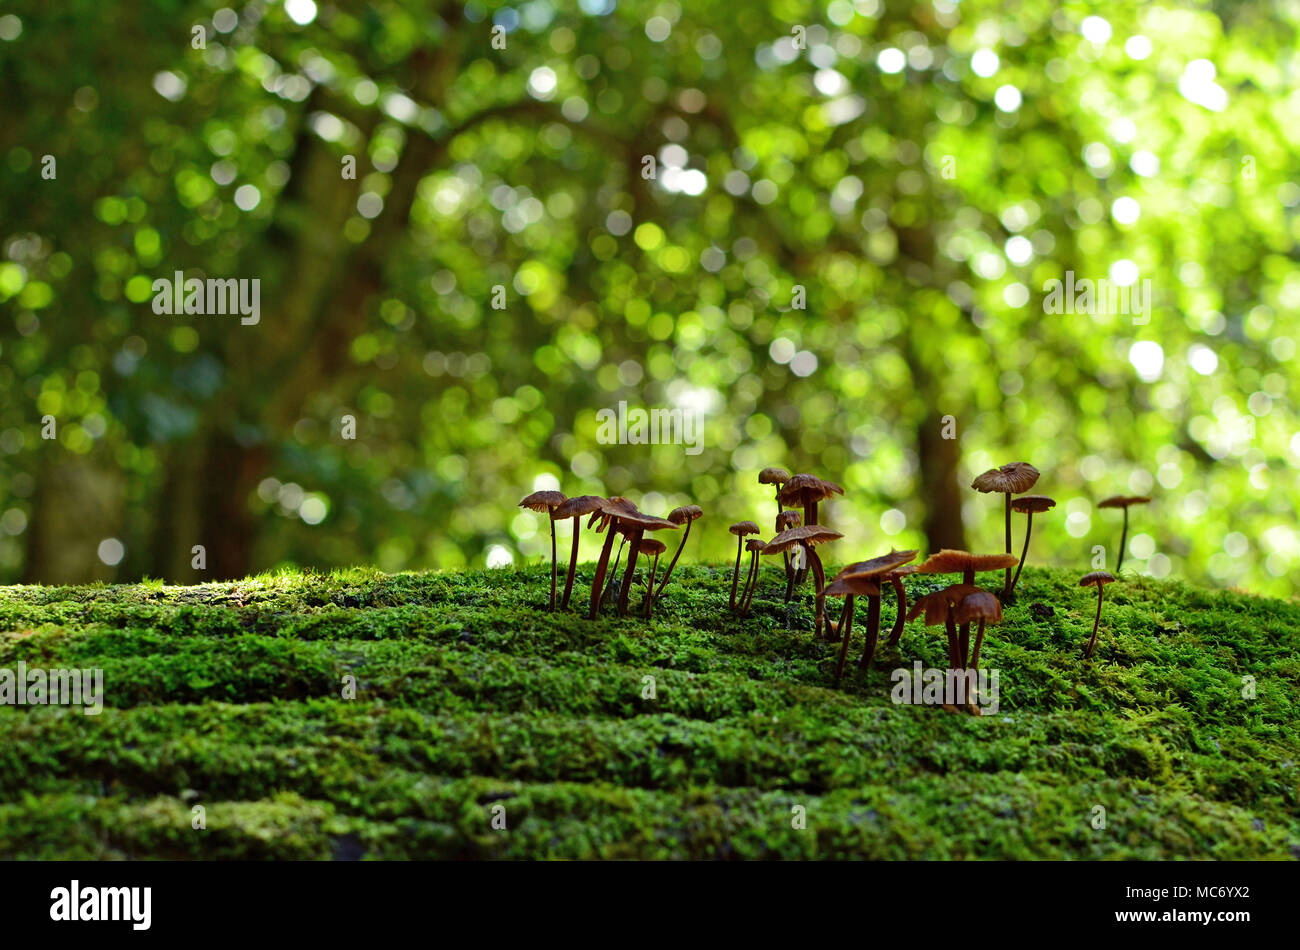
755, 547
1097, 579
982, 606
1123, 501
637, 525
656, 547
807, 536
939, 608
875, 569
790, 518
968, 565
900, 600
740, 529
611, 516
547, 501
1027, 505
575, 508
777, 477
849, 587
1011, 479
683, 515
805, 491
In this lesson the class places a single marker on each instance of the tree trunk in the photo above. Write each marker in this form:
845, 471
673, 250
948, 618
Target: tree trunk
940, 459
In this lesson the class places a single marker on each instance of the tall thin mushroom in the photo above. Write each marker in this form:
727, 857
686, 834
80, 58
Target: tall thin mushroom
740, 529
1097, 579
806, 491
608, 515
637, 525
683, 515
1011, 479
575, 508
777, 477
1027, 505
807, 536
755, 547
790, 518
849, 587
656, 547
875, 569
547, 501
900, 601
1123, 501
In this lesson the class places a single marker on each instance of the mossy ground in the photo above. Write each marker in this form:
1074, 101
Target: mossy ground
469, 695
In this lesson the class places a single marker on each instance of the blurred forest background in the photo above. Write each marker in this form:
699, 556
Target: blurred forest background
921, 169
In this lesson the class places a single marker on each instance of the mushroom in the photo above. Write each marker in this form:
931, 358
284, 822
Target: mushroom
547, 501
777, 477
739, 529
982, 606
611, 516
790, 518
575, 508
683, 515
900, 600
874, 569
849, 586
637, 525
1097, 579
968, 565
656, 547
755, 547
805, 491
1123, 501
1011, 479
806, 537
1027, 505
938, 608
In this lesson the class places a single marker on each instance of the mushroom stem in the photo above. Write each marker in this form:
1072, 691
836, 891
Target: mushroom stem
673, 563
968, 578
819, 576
846, 628
607, 598
979, 638
553, 565
900, 621
597, 585
789, 578
735, 574
573, 562
650, 589
873, 630
1006, 584
1123, 539
626, 590
950, 627
1096, 623
751, 582
1029, 529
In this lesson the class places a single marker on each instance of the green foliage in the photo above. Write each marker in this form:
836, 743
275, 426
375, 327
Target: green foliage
468, 695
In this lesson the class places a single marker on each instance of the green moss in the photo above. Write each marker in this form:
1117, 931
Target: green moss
468, 696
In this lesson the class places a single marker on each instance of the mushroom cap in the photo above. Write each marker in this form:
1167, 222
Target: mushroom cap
803, 489
685, 514
1096, 579
627, 513
651, 546
855, 584
948, 561
809, 534
754, 544
878, 565
1035, 503
1123, 501
937, 605
773, 476
742, 528
1014, 478
978, 605
543, 500
790, 518
579, 505
899, 572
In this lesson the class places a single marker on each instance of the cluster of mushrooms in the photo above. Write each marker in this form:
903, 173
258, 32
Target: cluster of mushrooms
798, 532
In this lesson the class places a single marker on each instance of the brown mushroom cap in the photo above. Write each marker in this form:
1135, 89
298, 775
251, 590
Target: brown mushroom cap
685, 514
937, 605
948, 561
773, 476
878, 565
1014, 477
803, 489
742, 528
1034, 503
651, 546
978, 605
579, 505
543, 501
810, 534
899, 572
1123, 501
754, 544
1096, 579
857, 585
790, 518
